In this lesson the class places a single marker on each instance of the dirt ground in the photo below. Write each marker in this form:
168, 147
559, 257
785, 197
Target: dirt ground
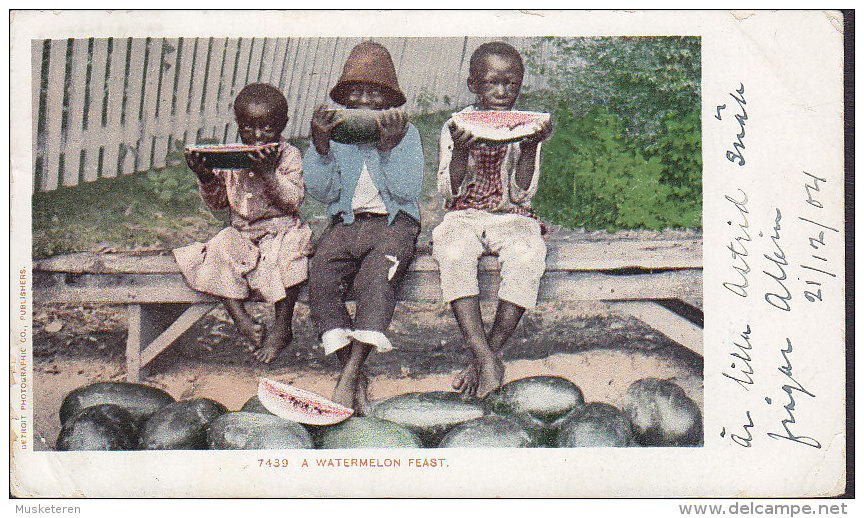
601, 352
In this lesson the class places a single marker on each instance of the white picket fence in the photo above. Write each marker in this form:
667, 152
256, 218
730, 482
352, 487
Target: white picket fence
103, 107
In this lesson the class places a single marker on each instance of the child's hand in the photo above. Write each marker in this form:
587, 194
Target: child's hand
323, 122
265, 159
544, 131
198, 165
462, 138
392, 127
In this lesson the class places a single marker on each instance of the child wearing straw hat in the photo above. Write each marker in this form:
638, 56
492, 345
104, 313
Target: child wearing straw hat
371, 190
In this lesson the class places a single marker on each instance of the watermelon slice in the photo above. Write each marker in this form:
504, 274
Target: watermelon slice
500, 126
298, 405
227, 156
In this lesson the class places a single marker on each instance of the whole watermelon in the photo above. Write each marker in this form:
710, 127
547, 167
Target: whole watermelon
536, 402
99, 427
254, 405
491, 431
181, 425
255, 431
368, 432
662, 414
428, 414
595, 425
139, 400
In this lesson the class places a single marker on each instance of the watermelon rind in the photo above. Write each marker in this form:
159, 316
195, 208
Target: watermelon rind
545, 398
226, 156
139, 400
181, 425
595, 425
662, 414
357, 126
428, 414
99, 428
299, 405
254, 431
491, 431
368, 432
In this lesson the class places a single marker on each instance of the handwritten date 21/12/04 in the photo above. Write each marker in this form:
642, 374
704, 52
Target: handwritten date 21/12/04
815, 270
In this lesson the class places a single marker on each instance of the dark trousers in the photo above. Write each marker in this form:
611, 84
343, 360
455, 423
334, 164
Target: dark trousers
357, 255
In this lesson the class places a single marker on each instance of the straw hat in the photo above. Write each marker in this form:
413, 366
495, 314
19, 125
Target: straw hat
369, 62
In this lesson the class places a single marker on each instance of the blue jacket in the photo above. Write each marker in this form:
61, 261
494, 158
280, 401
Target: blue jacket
398, 175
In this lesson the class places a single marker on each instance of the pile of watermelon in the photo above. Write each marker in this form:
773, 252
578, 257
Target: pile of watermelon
538, 411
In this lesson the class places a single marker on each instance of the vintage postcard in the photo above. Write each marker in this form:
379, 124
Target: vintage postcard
427, 254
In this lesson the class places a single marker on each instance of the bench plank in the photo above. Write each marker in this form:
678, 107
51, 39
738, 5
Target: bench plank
562, 255
419, 286
667, 322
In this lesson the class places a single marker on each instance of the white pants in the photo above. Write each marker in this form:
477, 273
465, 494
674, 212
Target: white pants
465, 235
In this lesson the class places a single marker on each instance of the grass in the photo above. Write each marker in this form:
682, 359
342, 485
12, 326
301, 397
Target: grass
160, 209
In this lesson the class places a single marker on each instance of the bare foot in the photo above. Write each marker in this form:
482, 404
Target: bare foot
466, 381
345, 391
253, 333
491, 375
273, 344
361, 395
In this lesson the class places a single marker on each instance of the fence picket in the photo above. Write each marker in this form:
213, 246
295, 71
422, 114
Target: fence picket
193, 105
36, 50
132, 106
54, 114
317, 83
305, 54
180, 100
244, 50
77, 88
163, 110
210, 111
113, 130
255, 60
225, 114
147, 111
93, 139
275, 61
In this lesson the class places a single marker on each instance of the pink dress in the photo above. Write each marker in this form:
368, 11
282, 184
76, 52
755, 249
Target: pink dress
267, 246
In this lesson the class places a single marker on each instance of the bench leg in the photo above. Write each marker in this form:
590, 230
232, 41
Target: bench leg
671, 324
154, 327
133, 343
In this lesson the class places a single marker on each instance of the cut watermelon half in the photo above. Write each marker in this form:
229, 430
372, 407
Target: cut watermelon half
227, 156
298, 405
500, 126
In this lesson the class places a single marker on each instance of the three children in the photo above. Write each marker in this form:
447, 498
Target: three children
372, 191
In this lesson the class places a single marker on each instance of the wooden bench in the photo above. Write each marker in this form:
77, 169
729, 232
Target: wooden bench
634, 277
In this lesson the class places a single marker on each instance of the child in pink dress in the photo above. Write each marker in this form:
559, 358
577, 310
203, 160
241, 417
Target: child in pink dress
265, 249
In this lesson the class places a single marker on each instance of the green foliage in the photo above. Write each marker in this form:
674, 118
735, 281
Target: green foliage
174, 183
640, 79
627, 147
593, 175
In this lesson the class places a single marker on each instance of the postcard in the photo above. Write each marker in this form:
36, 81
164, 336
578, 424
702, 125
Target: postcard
427, 254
